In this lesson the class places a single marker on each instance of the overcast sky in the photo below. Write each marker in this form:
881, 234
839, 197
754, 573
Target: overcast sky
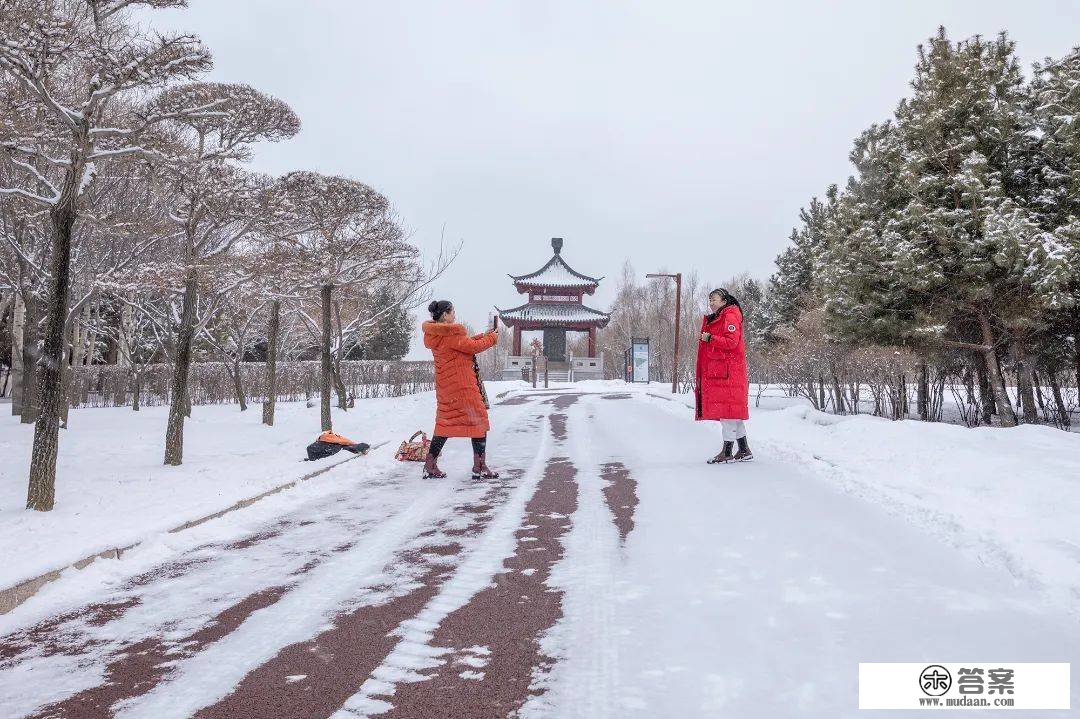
683, 135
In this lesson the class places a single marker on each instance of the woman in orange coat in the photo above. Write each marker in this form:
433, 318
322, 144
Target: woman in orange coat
462, 405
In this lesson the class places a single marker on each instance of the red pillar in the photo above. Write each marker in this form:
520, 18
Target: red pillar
592, 341
517, 341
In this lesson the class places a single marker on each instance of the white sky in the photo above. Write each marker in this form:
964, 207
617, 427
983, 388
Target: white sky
683, 135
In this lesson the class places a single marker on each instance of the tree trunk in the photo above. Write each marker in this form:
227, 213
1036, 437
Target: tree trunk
1025, 383
922, 396
937, 398
325, 379
42, 486
1059, 402
1076, 353
238, 385
1037, 385
335, 366
78, 337
997, 383
905, 407
270, 404
180, 406
18, 330
31, 374
125, 347
136, 390
838, 393
67, 375
821, 392
124, 351
339, 385
986, 396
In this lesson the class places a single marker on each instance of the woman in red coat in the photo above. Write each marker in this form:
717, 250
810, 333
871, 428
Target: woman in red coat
462, 404
723, 387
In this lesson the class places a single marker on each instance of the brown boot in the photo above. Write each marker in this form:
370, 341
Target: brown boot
744, 454
431, 469
724, 456
480, 469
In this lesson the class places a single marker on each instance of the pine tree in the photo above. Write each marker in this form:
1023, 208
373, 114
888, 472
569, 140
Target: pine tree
389, 339
1055, 173
792, 288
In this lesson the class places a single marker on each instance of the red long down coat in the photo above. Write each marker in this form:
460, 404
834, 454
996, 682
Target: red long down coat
723, 387
461, 411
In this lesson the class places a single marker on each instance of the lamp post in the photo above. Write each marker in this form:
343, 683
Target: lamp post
678, 313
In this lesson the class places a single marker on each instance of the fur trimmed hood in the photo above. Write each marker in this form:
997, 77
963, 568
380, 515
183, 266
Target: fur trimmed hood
442, 329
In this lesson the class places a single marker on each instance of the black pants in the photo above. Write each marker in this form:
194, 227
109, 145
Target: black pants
479, 445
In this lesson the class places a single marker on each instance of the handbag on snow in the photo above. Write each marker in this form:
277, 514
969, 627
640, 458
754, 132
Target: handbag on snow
412, 450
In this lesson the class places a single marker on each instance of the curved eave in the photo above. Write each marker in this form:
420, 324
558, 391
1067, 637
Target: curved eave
541, 324
558, 260
524, 286
512, 318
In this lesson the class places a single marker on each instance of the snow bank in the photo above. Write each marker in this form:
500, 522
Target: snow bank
1008, 496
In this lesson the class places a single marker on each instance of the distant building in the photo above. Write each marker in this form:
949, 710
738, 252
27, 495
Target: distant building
555, 306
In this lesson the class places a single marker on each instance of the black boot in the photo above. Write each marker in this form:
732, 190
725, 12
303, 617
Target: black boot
724, 456
744, 454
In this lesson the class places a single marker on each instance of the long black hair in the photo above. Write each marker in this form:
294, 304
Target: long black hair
438, 308
726, 296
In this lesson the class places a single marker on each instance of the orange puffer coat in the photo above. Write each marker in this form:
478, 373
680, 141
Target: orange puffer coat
461, 411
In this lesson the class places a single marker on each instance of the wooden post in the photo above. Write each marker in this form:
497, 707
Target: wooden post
517, 341
546, 362
592, 342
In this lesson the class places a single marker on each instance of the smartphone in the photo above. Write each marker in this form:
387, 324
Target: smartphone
494, 322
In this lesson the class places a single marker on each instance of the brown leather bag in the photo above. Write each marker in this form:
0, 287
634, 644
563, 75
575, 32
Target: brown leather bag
412, 450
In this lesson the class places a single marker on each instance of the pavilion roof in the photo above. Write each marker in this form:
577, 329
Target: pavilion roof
554, 314
556, 273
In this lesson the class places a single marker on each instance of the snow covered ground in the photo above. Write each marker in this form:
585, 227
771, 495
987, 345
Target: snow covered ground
1006, 497
610, 572
112, 489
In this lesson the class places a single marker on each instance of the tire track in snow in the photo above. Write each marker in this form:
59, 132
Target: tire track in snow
491, 644
313, 678
139, 652
140, 666
416, 650
122, 648
213, 673
583, 680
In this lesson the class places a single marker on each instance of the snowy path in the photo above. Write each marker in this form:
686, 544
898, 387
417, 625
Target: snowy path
610, 573
755, 590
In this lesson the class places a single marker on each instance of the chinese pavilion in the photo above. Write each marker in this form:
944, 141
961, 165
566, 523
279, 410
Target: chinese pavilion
555, 307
